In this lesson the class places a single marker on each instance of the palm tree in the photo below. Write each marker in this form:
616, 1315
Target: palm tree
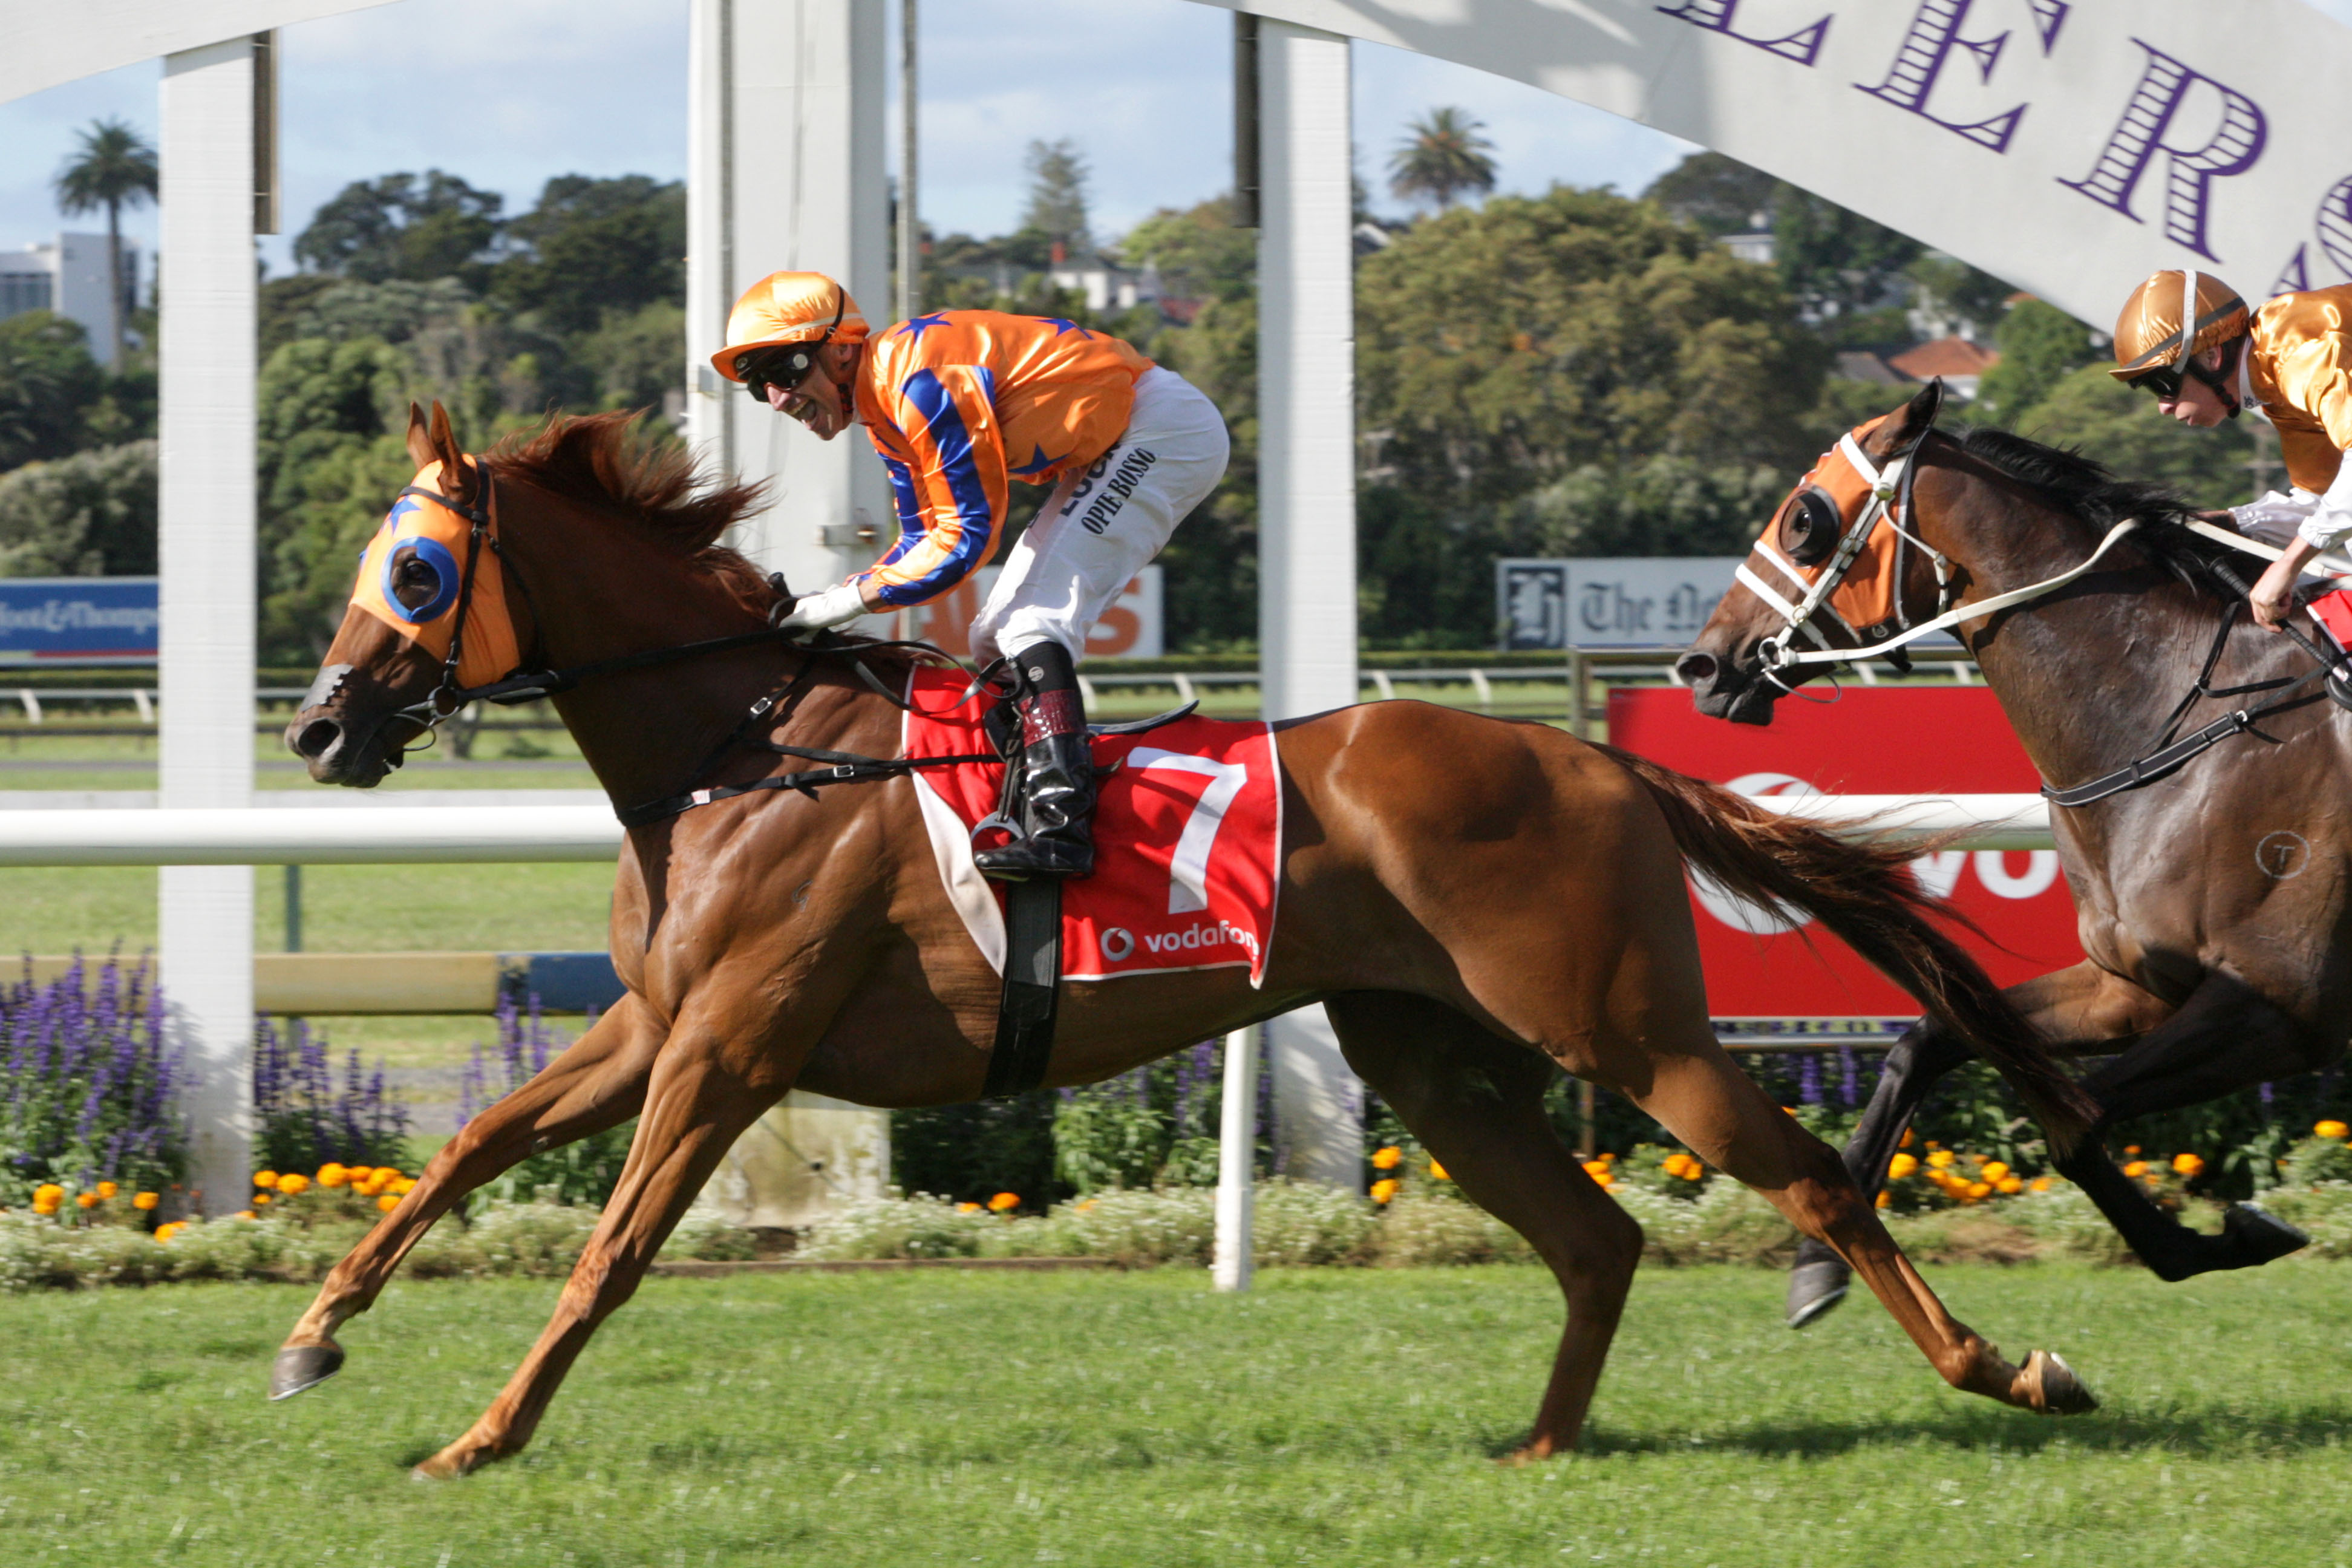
1445, 156
114, 169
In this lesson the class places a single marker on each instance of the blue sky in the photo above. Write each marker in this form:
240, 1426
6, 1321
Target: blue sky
508, 92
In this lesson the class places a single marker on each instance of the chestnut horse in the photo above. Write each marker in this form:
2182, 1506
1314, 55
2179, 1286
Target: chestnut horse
2212, 960
1478, 903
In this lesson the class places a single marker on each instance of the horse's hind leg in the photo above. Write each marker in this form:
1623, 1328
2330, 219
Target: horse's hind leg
1477, 1102
598, 1082
696, 1106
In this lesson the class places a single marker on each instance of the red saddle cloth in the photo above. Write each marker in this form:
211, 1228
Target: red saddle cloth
1187, 826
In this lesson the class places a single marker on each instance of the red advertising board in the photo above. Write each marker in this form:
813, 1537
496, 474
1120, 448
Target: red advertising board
1870, 741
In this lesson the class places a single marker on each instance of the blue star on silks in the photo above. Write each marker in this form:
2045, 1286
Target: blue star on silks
916, 327
1036, 464
1063, 324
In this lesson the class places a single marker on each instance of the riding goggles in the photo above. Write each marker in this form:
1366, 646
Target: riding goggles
783, 365
414, 578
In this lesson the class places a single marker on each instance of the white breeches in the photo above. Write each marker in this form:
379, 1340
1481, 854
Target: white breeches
1099, 527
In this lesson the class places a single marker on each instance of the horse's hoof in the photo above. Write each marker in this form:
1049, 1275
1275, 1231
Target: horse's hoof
298, 1367
2053, 1388
1815, 1288
2257, 1235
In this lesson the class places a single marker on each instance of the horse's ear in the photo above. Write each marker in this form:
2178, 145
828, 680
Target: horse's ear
420, 445
1908, 425
455, 475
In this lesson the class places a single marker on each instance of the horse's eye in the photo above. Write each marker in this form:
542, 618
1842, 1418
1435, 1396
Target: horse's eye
1809, 529
415, 583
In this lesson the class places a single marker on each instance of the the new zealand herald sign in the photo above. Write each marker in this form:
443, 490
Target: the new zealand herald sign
77, 620
2069, 146
1633, 602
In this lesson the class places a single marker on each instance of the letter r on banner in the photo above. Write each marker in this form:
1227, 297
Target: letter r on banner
2139, 136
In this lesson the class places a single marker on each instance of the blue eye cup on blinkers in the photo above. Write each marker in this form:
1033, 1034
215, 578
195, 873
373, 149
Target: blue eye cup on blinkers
434, 553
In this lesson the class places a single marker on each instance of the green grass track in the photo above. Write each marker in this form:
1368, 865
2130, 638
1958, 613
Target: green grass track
1344, 1417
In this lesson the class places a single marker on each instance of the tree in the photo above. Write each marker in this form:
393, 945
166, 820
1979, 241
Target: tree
48, 383
395, 226
2041, 345
2094, 411
1718, 193
1057, 198
1198, 252
1444, 157
595, 246
88, 515
114, 168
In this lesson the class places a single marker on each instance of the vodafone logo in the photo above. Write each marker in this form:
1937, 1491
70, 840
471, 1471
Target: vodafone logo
1755, 920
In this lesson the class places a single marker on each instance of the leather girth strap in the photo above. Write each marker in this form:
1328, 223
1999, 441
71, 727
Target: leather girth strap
1032, 988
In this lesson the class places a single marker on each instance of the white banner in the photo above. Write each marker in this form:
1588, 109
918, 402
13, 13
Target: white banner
2069, 146
1631, 601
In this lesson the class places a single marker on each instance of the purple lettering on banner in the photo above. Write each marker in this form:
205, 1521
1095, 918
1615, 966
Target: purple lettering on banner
2296, 276
2139, 136
1934, 31
1803, 45
2336, 226
2049, 15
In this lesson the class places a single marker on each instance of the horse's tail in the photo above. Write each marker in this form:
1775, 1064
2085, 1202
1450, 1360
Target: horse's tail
1866, 893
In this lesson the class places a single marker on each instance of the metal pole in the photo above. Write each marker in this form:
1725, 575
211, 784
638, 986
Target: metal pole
293, 909
1578, 687
1246, 178
911, 231
206, 425
1586, 1118
1236, 1162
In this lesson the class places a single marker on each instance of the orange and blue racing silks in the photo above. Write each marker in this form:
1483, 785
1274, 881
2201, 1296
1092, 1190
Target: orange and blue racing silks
421, 529
958, 404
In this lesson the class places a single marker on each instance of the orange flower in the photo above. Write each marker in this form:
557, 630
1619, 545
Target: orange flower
86, 1200
2187, 1165
293, 1184
107, 1189
387, 1202
2136, 1169
1885, 1199
1003, 1201
1906, 1139
260, 1198
48, 1192
1387, 1157
265, 1178
2131, 1150
2009, 1185
1941, 1159
1902, 1165
243, 1213
1384, 1189
2333, 1129
1994, 1170
967, 1208
331, 1174
404, 1185
1597, 1169
142, 1202
166, 1232
355, 1174
2041, 1183
1437, 1172
1979, 1190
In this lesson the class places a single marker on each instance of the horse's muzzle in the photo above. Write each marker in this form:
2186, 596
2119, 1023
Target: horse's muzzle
340, 749
1720, 689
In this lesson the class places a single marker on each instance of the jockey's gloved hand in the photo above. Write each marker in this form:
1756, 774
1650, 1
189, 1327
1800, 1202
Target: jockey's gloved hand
815, 612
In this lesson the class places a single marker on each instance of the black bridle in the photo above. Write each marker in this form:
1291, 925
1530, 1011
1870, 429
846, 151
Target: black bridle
449, 696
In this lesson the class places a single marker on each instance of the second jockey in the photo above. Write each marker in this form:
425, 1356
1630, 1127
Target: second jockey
958, 403
2187, 337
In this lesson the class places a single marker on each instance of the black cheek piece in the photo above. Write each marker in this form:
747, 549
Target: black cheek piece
1809, 529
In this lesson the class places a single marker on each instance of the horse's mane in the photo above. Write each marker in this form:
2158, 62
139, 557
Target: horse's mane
609, 461
2096, 493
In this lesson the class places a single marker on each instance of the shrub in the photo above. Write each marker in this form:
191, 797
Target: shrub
306, 1120
89, 1080
1423, 1230
582, 1172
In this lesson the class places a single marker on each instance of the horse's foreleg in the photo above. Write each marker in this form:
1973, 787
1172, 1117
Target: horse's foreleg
2080, 1008
695, 1108
1475, 1101
1706, 1101
598, 1082
2226, 1037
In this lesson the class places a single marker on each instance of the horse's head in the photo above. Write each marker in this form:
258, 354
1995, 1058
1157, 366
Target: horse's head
1830, 569
428, 616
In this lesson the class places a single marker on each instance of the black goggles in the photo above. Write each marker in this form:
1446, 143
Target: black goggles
2163, 380
785, 366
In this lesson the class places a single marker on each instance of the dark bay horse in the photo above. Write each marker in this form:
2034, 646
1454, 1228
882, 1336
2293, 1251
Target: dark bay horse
2211, 904
1477, 902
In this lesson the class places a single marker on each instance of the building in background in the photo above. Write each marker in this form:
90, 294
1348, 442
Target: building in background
68, 276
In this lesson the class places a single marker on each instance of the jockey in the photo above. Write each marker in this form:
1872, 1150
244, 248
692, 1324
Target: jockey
2188, 337
957, 403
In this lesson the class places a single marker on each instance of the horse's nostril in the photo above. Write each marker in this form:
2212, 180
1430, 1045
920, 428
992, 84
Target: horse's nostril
318, 738
1694, 667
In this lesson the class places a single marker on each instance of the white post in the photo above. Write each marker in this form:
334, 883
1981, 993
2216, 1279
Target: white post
1306, 367
910, 227
1236, 1162
786, 171
207, 422
1306, 491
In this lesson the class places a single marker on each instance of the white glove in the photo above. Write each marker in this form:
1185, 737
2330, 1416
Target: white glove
815, 612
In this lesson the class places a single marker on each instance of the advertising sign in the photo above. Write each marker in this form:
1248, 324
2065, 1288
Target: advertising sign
1873, 741
77, 620
1623, 602
1131, 629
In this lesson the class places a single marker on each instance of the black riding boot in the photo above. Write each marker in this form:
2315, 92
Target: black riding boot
1057, 775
